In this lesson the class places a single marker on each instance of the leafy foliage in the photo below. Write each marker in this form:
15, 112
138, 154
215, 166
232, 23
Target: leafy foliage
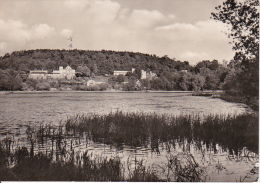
243, 18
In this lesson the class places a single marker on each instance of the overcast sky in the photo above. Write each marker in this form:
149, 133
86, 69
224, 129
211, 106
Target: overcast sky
181, 29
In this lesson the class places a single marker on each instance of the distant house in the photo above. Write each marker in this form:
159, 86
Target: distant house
67, 73
117, 73
122, 72
150, 75
186, 71
138, 83
147, 74
92, 82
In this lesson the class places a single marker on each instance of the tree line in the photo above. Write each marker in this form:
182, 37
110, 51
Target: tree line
171, 74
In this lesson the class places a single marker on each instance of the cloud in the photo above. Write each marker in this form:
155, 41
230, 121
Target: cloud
16, 35
76, 4
178, 27
203, 40
171, 16
18, 31
41, 31
13, 30
93, 11
145, 18
209, 29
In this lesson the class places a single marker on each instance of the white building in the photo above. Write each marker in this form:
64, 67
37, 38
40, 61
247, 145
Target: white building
117, 73
143, 74
150, 74
91, 82
38, 74
67, 73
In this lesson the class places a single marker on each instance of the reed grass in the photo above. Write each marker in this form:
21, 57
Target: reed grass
42, 167
61, 163
138, 129
189, 171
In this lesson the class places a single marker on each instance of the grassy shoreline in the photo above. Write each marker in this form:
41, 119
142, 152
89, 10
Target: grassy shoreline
105, 91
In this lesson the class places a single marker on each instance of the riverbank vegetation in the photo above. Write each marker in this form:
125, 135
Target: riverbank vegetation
151, 129
60, 161
43, 167
22, 165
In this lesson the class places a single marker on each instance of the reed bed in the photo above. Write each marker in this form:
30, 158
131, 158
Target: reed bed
61, 163
138, 129
42, 167
22, 165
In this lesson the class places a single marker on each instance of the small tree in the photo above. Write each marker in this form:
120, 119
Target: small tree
137, 73
43, 86
83, 70
120, 78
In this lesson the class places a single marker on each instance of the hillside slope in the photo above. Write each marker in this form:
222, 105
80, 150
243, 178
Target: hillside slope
99, 62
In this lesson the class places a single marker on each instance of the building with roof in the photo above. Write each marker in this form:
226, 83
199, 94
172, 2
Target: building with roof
67, 73
38, 74
122, 72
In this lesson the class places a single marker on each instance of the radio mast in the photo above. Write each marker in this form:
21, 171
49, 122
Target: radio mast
70, 45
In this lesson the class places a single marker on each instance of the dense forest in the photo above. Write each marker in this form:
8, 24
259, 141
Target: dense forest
99, 62
171, 74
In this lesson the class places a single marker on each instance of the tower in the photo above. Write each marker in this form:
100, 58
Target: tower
70, 45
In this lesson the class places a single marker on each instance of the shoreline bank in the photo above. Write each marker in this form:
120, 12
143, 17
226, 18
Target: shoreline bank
114, 91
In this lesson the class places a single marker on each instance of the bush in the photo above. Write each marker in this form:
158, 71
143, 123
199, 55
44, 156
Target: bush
43, 86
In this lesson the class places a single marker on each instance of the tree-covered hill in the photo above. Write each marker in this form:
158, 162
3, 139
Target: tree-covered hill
171, 74
99, 62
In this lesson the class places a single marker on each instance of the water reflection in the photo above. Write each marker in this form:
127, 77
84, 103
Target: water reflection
220, 143
214, 157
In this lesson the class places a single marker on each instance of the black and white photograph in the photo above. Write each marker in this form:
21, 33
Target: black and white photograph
129, 90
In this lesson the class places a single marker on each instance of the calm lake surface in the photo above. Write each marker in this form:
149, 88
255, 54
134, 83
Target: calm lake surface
17, 110
21, 108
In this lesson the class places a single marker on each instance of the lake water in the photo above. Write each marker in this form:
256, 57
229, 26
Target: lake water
21, 108
17, 110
